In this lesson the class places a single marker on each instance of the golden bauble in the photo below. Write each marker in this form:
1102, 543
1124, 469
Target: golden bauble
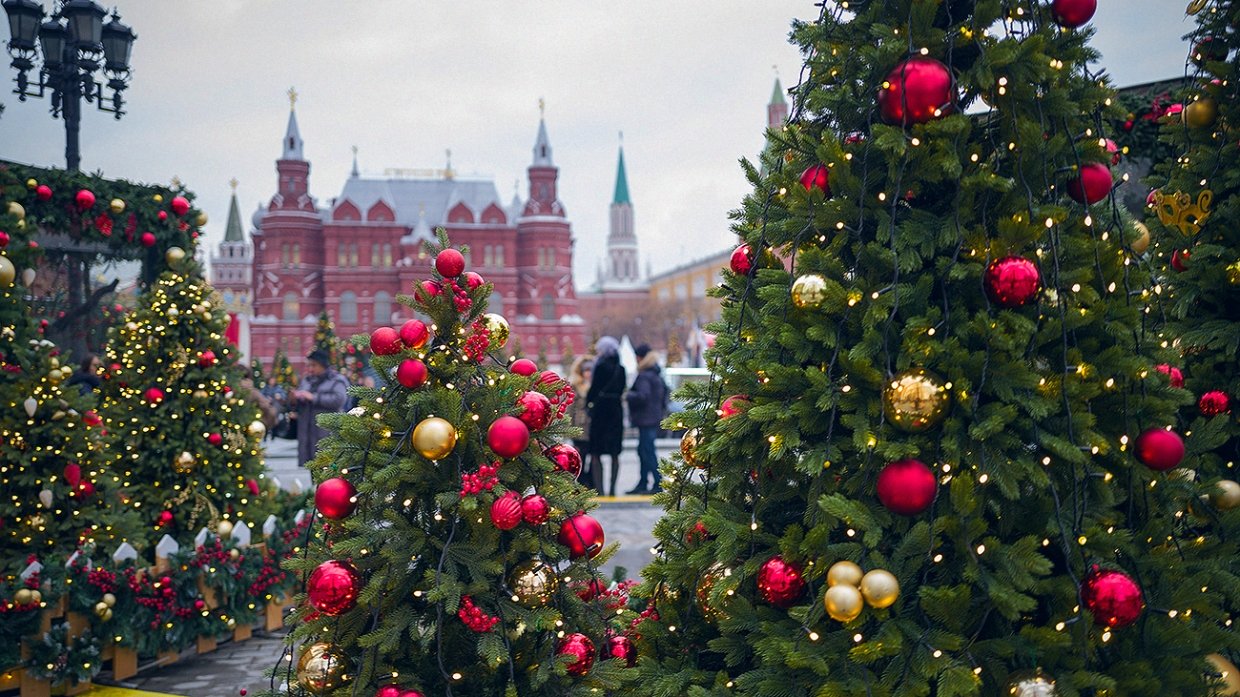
1142, 242
234, 554
109, 599
915, 400
321, 669
1030, 683
880, 588
201, 219
184, 464
32, 183
158, 198
688, 448
117, 206
256, 429
498, 330
174, 255
846, 573
8, 272
1227, 672
100, 608
713, 613
1201, 113
107, 615
200, 394
533, 583
1233, 273
809, 291
225, 528
434, 438
843, 602
1226, 495
23, 596
17, 210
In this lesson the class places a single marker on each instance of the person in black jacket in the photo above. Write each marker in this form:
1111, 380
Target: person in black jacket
87, 376
647, 406
606, 414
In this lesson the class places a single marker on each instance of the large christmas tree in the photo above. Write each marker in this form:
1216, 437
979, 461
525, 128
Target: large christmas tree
188, 436
936, 457
455, 557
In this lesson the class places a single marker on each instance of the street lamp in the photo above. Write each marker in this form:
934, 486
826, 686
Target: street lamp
73, 40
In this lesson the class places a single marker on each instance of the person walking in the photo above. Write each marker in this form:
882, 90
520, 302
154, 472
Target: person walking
322, 391
606, 413
87, 375
579, 415
647, 406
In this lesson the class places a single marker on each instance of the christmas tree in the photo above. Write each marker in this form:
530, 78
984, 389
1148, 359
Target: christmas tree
256, 373
325, 339
188, 437
936, 457
282, 370
455, 554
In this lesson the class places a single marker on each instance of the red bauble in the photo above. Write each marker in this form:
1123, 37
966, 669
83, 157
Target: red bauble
1179, 259
536, 410
252, 485
697, 533
623, 648
907, 487
1073, 13
73, 473
1092, 184
411, 373
85, 200
1012, 281
733, 405
589, 590
424, 291
332, 588
508, 436
1214, 403
581, 649
411, 693
1159, 449
162, 216
388, 691
414, 334
165, 519
179, 205
523, 366
43, 192
780, 583
506, 511
535, 510
550, 378
450, 263
153, 395
85, 489
215, 438
1113, 150
1112, 598
742, 260
917, 90
334, 498
473, 281
1175, 377
385, 341
565, 457
206, 358
147, 239
582, 535
4, 239
817, 177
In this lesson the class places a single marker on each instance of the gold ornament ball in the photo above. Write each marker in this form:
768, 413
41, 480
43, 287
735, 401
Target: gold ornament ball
321, 669
158, 198
117, 206
234, 554
35, 595
201, 219
809, 291
533, 583
915, 400
257, 429
880, 588
1233, 273
17, 210
23, 596
1226, 495
845, 573
107, 615
498, 328
109, 599
100, 608
32, 184
1142, 242
1030, 683
8, 272
434, 438
225, 528
688, 448
1201, 113
200, 394
174, 255
184, 464
843, 602
1229, 674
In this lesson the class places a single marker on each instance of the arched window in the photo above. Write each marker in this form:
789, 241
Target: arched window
488, 256
353, 255
383, 307
291, 306
387, 255
348, 307
374, 254
284, 254
548, 306
342, 255
296, 254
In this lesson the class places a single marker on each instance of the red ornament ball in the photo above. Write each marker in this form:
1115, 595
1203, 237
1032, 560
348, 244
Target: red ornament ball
733, 405
165, 518
817, 176
85, 200
917, 90
385, 341
622, 648
332, 588
1159, 449
388, 691
215, 438
1073, 13
1113, 150
742, 260
1175, 377
473, 281
252, 485
411, 373
4, 239
550, 378
508, 436
414, 334
565, 457
1092, 184
779, 583
424, 291
153, 395
179, 205
85, 489
43, 192
583, 535
147, 239
580, 649
162, 216
506, 511
1179, 259
450, 263
523, 366
589, 590
535, 510
536, 410
73, 473
1012, 281
1213, 403
207, 358
907, 487
1112, 598
334, 498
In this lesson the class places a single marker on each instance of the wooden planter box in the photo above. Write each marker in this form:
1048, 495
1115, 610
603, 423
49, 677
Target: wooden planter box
124, 663
243, 632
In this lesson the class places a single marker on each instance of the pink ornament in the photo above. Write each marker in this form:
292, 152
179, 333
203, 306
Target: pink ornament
622, 648
414, 334
473, 281
335, 498
1112, 598
1092, 184
450, 263
581, 650
179, 205
215, 438
583, 535
523, 366
411, 373
536, 410
907, 487
1012, 281
385, 341
153, 395
535, 510
1213, 403
733, 405
162, 216
565, 457
85, 200
1175, 377
1159, 449
165, 518
207, 358
424, 291
817, 176
779, 583
742, 260
43, 192
506, 511
147, 239
388, 691
1071, 14
508, 436
917, 90
332, 588
1113, 150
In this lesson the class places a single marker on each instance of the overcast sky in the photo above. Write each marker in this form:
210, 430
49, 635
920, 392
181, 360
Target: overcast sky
687, 81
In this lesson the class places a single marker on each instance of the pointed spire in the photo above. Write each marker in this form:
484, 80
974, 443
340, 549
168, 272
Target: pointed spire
292, 136
354, 173
622, 181
232, 231
777, 96
542, 146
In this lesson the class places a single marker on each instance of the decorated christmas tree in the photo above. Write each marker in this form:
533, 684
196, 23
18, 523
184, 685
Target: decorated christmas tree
187, 436
935, 457
325, 339
454, 554
282, 369
256, 373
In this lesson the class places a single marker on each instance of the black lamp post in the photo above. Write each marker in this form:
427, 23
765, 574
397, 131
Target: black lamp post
76, 44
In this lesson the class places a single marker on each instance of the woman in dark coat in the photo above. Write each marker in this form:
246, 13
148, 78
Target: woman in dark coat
606, 415
322, 391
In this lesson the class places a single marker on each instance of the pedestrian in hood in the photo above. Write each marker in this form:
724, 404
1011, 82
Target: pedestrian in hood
606, 412
647, 407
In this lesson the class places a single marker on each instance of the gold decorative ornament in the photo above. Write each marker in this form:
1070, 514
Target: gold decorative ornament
434, 438
533, 583
32, 183
916, 400
498, 330
1226, 495
321, 669
17, 210
688, 448
1233, 273
109, 599
23, 596
1227, 672
200, 394
1179, 211
201, 220
1195, 6
845, 573
117, 206
158, 198
224, 529
8, 272
880, 588
1030, 683
809, 291
1142, 242
843, 602
1201, 113
234, 554
256, 429
174, 255
184, 464
712, 613
101, 608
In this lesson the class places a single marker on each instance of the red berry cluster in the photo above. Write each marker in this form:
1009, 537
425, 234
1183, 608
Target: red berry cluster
479, 341
103, 579
104, 224
460, 296
269, 575
648, 614
157, 595
484, 479
563, 397
474, 617
618, 597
